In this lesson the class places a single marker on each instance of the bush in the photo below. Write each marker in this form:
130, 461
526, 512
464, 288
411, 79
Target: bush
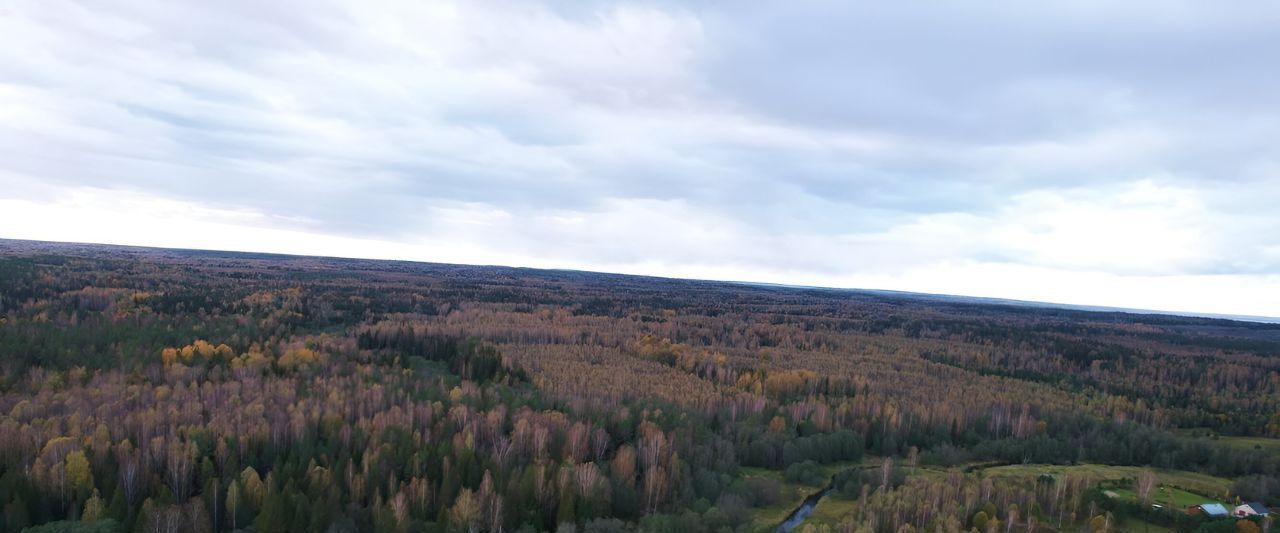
808, 473
759, 491
945, 455
729, 512
70, 526
606, 525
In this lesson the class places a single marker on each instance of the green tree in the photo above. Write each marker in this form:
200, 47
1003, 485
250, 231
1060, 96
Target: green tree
93, 508
16, 516
79, 476
274, 515
980, 519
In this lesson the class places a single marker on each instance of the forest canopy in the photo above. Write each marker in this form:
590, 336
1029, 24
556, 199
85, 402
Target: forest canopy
165, 390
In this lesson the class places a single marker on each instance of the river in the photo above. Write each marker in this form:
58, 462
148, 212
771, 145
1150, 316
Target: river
805, 509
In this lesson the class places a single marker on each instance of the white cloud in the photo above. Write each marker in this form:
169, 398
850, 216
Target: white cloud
675, 239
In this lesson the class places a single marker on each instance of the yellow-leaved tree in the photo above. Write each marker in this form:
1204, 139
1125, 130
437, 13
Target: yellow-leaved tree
79, 476
93, 508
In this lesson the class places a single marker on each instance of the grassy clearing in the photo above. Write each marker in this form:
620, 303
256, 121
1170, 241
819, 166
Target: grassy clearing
829, 510
768, 518
1178, 489
1239, 443
1250, 443
1170, 497
832, 509
1194, 482
789, 496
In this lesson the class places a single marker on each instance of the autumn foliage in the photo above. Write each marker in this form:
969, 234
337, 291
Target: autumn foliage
165, 391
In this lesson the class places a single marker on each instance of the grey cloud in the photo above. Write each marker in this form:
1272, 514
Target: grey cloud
808, 136
1000, 70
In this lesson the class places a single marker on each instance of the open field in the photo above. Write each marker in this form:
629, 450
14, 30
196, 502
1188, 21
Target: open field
1178, 489
1191, 481
1170, 497
1252, 443
1239, 443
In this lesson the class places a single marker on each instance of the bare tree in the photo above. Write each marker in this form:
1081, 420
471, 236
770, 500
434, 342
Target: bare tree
178, 463
1146, 482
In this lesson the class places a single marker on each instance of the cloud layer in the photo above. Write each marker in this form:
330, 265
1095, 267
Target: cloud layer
1079, 152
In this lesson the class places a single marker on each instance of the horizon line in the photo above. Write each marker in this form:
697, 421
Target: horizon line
975, 299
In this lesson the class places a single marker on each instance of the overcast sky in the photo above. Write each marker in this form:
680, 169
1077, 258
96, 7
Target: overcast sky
1107, 153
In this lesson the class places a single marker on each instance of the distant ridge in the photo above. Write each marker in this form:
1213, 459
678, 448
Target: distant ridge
949, 298
987, 300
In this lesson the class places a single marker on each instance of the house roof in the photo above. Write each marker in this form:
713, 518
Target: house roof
1213, 509
1257, 507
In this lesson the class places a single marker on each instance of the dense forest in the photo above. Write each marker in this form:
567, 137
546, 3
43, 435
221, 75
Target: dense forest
146, 390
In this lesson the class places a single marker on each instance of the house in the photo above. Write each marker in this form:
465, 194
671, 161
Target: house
1252, 509
1213, 510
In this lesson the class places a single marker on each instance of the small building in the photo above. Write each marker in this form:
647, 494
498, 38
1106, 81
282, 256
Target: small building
1214, 510
1251, 509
